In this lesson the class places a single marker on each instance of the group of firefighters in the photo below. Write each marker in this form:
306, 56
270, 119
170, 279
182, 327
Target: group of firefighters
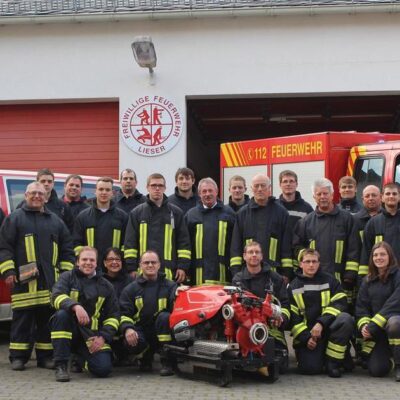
93, 281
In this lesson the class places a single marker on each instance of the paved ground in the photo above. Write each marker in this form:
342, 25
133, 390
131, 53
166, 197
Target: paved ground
128, 383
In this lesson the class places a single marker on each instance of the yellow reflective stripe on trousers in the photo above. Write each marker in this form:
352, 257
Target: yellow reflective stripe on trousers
138, 306
378, 238
55, 253
199, 241
164, 338
367, 346
95, 317
222, 228
43, 346
30, 248
162, 304
339, 251
273, 246
61, 335
90, 237
19, 346
199, 275
168, 242
335, 351
142, 238
116, 240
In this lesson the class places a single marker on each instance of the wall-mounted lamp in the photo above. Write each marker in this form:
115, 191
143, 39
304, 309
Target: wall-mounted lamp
144, 52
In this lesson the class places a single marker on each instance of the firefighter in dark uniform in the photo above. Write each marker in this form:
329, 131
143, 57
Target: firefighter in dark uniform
266, 222
33, 237
145, 306
210, 226
72, 195
185, 195
321, 327
372, 205
237, 193
378, 312
348, 199
331, 231
87, 318
384, 226
103, 224
158, 225
258, 279
128, 197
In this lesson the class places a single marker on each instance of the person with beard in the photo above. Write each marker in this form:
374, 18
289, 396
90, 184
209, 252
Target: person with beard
128, 197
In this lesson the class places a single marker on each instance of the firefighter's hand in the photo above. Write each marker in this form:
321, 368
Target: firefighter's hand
10, 281
180, 275
366, 334
81, 315
311, 344
95, 344
131, 337
133, 274
181, 289
276, 322
316, 331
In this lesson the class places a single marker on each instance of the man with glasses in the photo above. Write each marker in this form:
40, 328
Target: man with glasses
35, 247
321, 327
145, 306
266, 222
258, 279
128, 197
103, 224
158, 225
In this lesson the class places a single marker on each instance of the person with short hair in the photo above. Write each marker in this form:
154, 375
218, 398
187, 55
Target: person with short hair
159, 225
87, 317
102, 225
321, 326
35, 247
210, 226
348, 189
331, 231
384, 226
73, 194
185, 195
128, 196
378, 312
146, 305
258, 279
237, 193
266, 222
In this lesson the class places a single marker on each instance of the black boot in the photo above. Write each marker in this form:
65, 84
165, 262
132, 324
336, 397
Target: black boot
333, 369
166, 368
62, 374
397, 373
17, 364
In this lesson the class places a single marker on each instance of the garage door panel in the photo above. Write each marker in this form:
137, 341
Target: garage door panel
72, 138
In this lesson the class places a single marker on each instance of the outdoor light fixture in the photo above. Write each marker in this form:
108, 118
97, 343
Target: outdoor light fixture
144, 52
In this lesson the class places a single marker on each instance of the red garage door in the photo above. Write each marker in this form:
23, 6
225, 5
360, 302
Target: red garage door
77, 138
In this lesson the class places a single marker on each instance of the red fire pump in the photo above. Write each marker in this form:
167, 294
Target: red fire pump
222, 328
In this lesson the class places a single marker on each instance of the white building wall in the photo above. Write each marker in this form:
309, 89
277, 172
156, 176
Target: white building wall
341, 54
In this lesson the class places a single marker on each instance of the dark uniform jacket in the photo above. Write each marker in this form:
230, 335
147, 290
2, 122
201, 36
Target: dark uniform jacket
377, 301
32, 236
351, 205
161, 229
119, 282
127, 204
95, 295
236, 207
266, 281
383, 226
99, 229
184, 204
268, 225
297, 209
142, 300
210, 231
76, 206
318, 299
334, 236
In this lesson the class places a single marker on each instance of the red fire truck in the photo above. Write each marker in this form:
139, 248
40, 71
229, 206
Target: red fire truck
372, 158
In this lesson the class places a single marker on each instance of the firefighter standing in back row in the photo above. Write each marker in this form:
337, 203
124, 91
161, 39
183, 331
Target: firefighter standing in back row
33, 235
158, 225
210, 226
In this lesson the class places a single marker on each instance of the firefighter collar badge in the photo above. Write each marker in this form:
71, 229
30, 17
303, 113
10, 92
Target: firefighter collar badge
151, 125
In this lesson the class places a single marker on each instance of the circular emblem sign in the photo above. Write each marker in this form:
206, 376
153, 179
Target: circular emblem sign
151, 126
